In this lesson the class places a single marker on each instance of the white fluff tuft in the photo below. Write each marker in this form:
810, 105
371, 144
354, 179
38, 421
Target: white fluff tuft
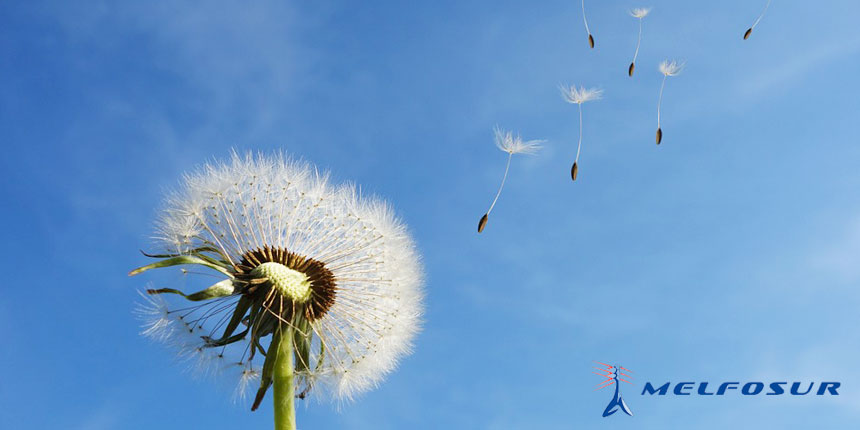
507, 142
580, 95
248, 377
155, 316
671, 67
640, 12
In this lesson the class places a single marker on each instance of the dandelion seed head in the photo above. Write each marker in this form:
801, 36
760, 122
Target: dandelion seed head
507, 142
337, 267
671, 67
640, 12
580, 95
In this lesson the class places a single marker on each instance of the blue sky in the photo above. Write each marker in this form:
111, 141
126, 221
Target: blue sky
729, 253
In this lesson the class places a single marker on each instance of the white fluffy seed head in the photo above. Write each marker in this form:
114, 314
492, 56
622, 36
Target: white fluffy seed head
640, 12
580, 95
250, 202
507, 142
671, 67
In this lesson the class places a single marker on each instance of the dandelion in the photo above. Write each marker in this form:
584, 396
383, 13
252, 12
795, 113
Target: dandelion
579, 96
585, 20
667, 68
319, 283
637, 13
506, 141
749, 30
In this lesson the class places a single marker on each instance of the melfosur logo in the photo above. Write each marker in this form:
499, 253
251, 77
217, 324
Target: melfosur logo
614, 375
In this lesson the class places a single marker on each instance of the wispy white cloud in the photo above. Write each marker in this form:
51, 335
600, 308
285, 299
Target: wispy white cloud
839, 255
106, 417
794, 70
226, 73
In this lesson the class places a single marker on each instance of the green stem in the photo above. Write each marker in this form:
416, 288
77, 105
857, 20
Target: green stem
285, 413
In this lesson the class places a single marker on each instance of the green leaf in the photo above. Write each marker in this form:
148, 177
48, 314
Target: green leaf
198, 252
265, 325
183, 259
321, 356
221, 289
267, 374
190, 251
221, 342
238, 315
302, 339
220, 262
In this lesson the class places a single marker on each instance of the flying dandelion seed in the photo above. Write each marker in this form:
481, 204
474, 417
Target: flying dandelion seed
506, 141
667, 68
585, 20
579, 96
638, 13
319, 283
749, 30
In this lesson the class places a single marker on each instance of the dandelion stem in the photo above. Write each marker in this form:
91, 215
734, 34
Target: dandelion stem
285, 413
584, 19
762, 14
508, 166
579, 146
660, 100
638, 41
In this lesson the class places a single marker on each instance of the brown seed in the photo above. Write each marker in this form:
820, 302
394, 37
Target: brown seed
747, 34
630, 69
573, 171
659, 135
590, 41
482, 223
